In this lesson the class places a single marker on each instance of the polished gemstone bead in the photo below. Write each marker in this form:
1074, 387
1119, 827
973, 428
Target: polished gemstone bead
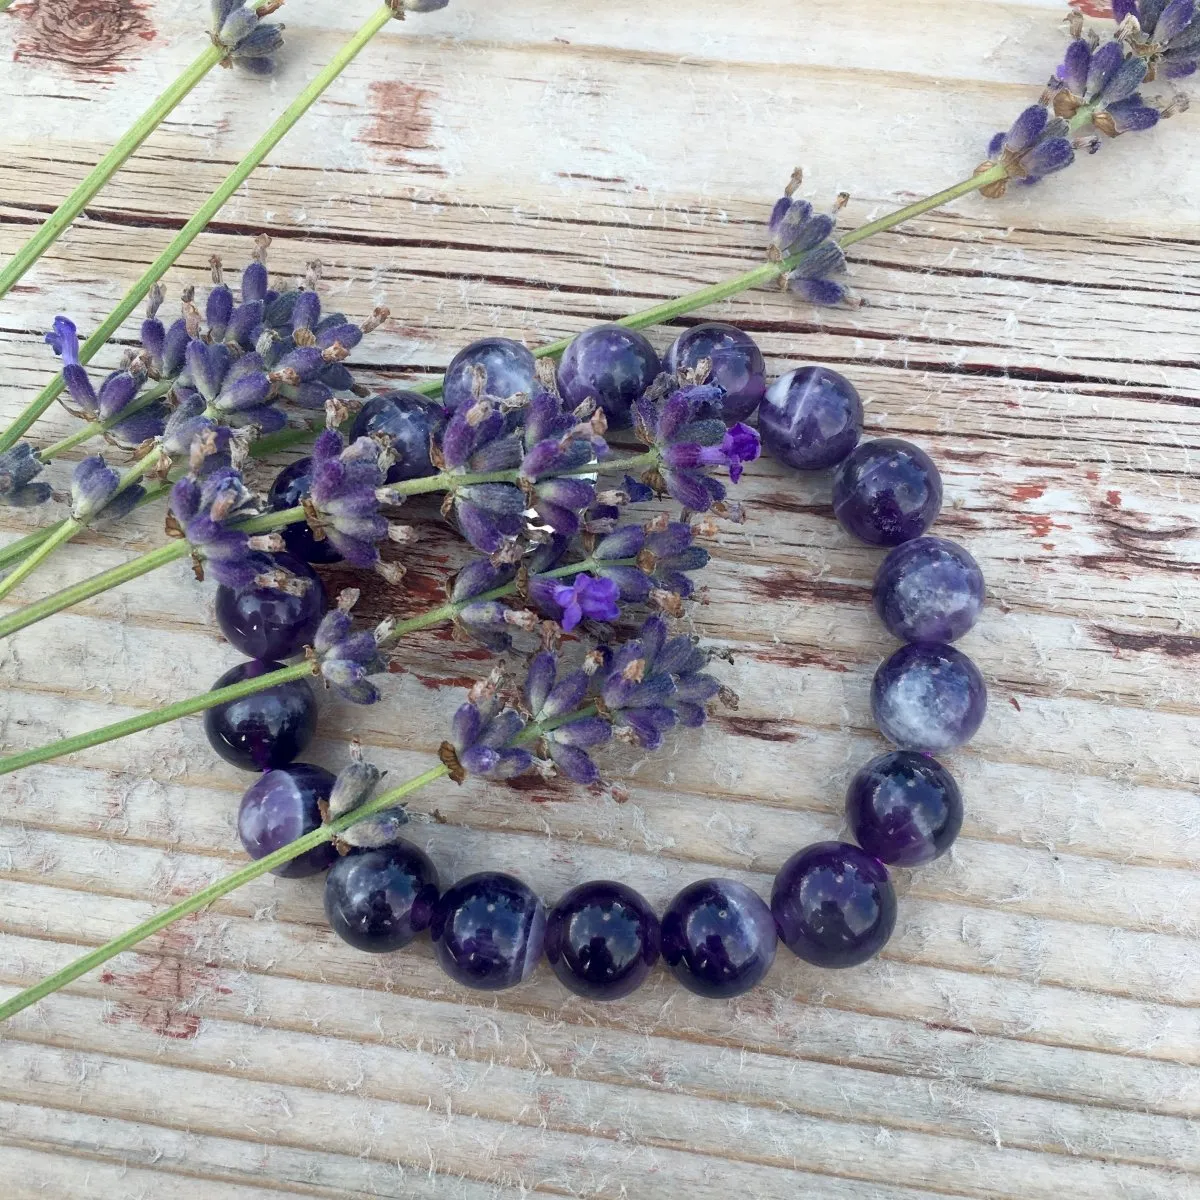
509, 369
886, 492
488, 931
281, 806
612, 366
271, 622
379, 900
736, 364
408, 419
289, 489
904, 808
929, 697
602, 938
929, 590
812, 418
265, 729
834, 904
718, 938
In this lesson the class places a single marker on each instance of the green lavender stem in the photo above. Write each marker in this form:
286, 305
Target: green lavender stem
248, 687
267, 523
206, 212
214, 891
62, 217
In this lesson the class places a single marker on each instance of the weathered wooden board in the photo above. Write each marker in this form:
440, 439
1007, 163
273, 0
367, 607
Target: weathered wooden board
1033, 1029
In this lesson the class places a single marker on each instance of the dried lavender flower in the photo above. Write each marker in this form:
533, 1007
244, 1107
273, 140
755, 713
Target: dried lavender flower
345, 658
1167, 36
94, 487
239, 30
19, 466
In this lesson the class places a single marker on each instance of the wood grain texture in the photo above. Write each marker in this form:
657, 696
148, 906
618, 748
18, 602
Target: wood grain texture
1033, 1029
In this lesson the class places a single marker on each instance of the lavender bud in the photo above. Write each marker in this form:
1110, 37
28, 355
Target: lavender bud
19, 466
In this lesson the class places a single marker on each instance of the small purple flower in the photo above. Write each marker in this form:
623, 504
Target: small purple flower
346, 658
19, 466
94, 492
586, 597
117, 393
1036, 145
237, 28
204, 511
346, 494
482, 739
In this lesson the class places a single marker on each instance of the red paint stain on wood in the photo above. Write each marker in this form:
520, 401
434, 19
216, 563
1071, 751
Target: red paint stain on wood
84, 37
1041, 525
400, 124
1113, 499
434, 682
1093, 476
1029, 491
1094, 8
168, 989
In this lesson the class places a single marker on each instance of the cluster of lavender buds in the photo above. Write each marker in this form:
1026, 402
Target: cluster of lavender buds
795, 228
1097, 86
249, 43
19, 467
345, 658
96, 488
640, 690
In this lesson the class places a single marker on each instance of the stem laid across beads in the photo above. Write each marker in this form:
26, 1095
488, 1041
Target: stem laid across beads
248, 687
267, 523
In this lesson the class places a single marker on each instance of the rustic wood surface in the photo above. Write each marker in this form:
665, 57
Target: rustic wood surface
531, 167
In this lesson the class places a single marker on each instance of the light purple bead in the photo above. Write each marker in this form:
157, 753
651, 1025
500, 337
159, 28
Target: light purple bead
488, 931
834, 904
718, 938
886, 492
929, 590
611, 365
928, 697
811, 418
281, 806
509, 366
737, 364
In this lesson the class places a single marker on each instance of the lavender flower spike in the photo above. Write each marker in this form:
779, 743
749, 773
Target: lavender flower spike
344, 658
94, 491
796, 229
203, 510
1036, 145
353, 787
249, 44
549, 696
19, 466
482, 739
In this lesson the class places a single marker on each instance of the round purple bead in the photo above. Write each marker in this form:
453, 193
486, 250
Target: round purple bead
281, 806
510, 369
289, 489
611, 365
602, 938
886, 492
928, 697
718, 938
266, 729
929, 590
488, 931
834, 905
737, 364
904, 808
268, 622
812, 418
408, 419
379, 900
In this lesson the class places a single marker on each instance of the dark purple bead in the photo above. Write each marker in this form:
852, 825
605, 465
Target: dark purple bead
281, 806
602, 938
811, 418
408, 419
737, 364
929, 590
267, 622
265, 729
488, 931
289, 489
904, 808
886, 492
718, 937
928, 697
611, 365
510, 368
379, 900
834, 905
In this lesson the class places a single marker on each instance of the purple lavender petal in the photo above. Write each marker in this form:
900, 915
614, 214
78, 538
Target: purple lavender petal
688, 488
479, 576
1050, 156
1126, 80
574, 764
1124, 8
254, 282
566, 696
539, 680
347, 335
1073, 70
63, 339
1026, 129
466, 727
1132, 116
590, 731
1172, 69
626, 541
633, 585
1175, 18
826, 293
307, 310
218, 310
80, 387
1104, 65
478, 527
